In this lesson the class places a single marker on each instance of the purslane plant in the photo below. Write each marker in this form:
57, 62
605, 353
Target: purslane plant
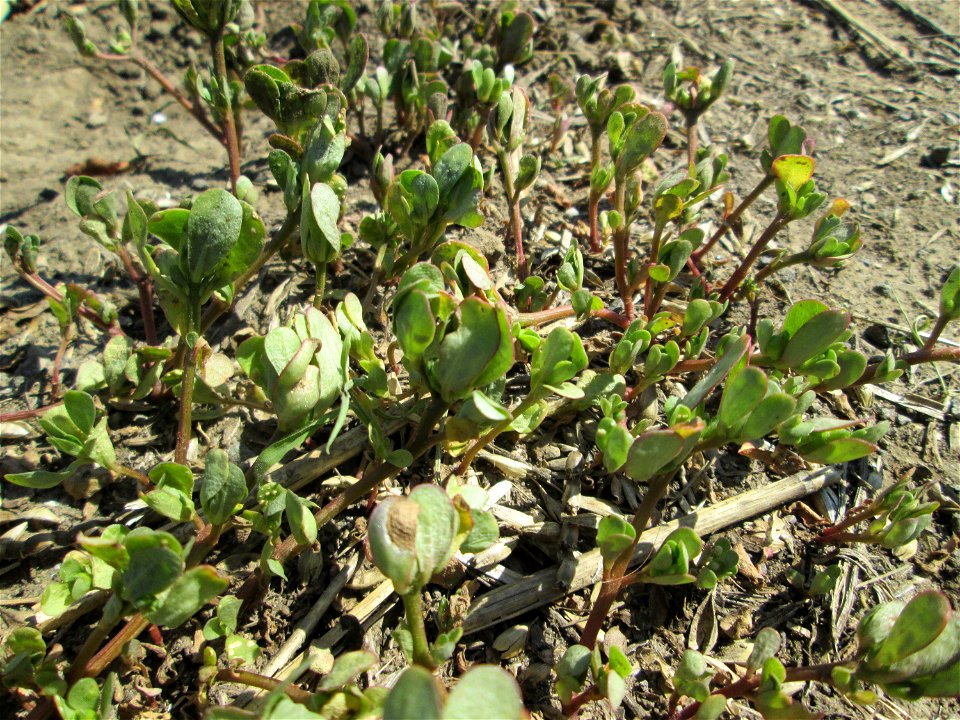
453, 339
909, 649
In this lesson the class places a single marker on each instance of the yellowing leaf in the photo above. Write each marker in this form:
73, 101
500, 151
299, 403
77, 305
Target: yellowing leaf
794, 170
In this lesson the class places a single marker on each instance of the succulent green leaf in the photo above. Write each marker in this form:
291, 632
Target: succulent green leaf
486, 686
732, 355
650, 452
793, 170
816, 335
155, 563
81, 194
919, 624
640, 140
950, 295
212, 231
742, 394
191, 591
839, 450
415, 695
771, 411
478, 352
614, 535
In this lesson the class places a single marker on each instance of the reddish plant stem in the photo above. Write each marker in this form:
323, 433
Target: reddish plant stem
621, 242
691, 121
230, 136
572, 708
740, 274
560, 312
918, 357
184, 430
58, 365
111, 651
936, 331
654, 256
27, 414
245, 677
613, 580
153, 71
38, 283
746, 686
593, 209
728, 221
145, 289
515, 227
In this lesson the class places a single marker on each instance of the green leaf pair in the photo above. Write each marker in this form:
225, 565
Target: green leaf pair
581, 666
204, 249
423, 204
150, 573
450, 348
692, 91
412, 538
293, 107
299, 367
72, 428
418, 694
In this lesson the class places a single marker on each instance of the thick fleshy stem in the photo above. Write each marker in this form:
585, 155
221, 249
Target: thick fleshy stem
739, 275
747, 686
542, 317
153, 71
231, 140
145, 290
516, 229
245, 677
936, 332
184, 429
728, 221
572, 708
413, 612
38, 283
593, 209
613, 580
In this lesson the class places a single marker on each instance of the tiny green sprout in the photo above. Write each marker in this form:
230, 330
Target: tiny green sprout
672, 563
894, 520
823, 582
721, 562
692, 677
583, 677
692, 93
239, 649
